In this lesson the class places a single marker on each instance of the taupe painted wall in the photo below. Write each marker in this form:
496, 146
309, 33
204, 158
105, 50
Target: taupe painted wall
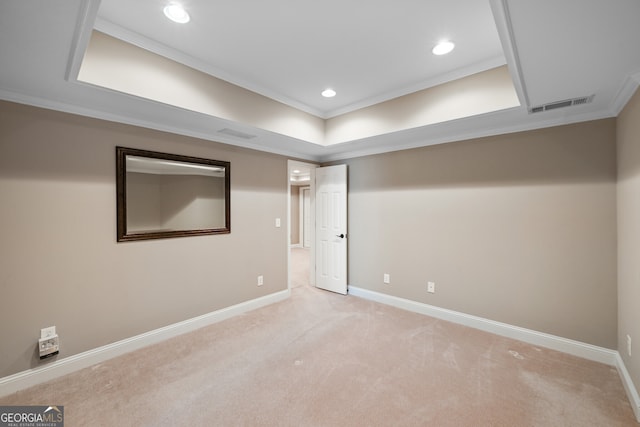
628, 135
60, 263
519, 228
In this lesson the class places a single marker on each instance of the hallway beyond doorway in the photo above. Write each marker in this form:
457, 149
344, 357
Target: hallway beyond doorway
300, 264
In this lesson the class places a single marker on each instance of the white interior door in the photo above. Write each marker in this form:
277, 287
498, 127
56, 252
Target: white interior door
331, 228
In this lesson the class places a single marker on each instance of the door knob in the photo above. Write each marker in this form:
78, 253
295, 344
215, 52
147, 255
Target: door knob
342, 236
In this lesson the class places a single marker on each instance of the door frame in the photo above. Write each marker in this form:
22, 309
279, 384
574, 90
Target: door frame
291, 165
303, 211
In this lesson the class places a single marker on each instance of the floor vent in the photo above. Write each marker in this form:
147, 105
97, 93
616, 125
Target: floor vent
236, 133
561, 104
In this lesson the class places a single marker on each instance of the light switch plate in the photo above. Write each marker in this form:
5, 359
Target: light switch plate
48, 332
431, 287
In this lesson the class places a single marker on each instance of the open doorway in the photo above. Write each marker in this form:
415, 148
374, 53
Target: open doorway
301, 212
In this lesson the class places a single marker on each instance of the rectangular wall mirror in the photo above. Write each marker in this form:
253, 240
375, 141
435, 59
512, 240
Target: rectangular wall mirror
163, 195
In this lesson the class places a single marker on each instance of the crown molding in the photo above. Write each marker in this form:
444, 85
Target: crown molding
81, 37
627, 89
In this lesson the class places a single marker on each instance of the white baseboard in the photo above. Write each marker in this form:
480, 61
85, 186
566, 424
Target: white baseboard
576, 348
61, 367
629, 387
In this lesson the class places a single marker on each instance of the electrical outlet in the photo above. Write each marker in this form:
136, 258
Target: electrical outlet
260, 280
629, 345
49, 343
386, 278
431, 287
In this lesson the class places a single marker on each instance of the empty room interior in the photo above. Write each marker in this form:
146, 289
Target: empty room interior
321, 213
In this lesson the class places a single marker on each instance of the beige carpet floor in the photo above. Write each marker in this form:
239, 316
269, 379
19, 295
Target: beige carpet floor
322, 359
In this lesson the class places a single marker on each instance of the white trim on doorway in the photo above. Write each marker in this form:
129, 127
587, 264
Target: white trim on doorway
291, 166
305, 212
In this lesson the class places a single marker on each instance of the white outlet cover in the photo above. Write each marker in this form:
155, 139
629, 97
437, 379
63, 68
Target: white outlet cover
386, 278
48, 332
431, 287
49, 346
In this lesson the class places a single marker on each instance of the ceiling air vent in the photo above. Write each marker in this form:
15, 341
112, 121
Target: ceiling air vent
236, 133
561, 104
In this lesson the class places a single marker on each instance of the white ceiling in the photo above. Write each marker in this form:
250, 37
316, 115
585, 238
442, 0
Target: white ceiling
369, 51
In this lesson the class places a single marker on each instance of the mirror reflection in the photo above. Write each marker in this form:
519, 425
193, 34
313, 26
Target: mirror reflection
163, 195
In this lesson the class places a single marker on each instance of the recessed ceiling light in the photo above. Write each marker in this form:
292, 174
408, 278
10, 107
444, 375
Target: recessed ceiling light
443, 48
328, 93
176, 13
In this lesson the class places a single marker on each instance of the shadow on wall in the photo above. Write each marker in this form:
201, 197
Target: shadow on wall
534, 157
66, 147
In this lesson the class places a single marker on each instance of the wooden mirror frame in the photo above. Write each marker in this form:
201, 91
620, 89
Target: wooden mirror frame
121, 188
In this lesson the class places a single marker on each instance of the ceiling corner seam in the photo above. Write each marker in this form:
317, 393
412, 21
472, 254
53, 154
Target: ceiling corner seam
504, 25
81, 36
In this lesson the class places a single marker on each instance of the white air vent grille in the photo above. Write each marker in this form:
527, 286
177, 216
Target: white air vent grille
561, 104
236, 133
